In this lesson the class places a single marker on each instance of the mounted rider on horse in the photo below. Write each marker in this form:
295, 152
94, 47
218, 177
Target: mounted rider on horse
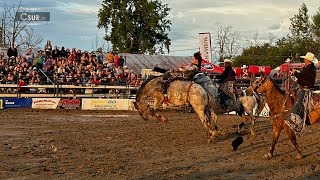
224, 96
298, 116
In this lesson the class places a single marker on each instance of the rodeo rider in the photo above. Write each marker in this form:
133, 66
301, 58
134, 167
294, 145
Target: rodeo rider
227, 80
306, 80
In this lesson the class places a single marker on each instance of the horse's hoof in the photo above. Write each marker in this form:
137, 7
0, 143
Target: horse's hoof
299, 156
267, 156
222, 133
164, 119
210, 140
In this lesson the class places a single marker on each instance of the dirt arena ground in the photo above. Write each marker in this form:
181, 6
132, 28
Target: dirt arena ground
74, 144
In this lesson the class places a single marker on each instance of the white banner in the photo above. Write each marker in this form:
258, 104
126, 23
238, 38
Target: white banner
107, 104
205, 46
45, 103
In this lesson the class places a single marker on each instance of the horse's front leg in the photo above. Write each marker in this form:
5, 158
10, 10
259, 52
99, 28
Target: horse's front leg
157, 104
276, 131
293, 139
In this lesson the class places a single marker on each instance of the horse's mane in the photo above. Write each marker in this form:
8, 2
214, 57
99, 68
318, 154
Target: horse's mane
144, 84
277, 86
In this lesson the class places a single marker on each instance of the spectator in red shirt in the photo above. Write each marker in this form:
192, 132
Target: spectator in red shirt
116, 59
95, 81
21, 83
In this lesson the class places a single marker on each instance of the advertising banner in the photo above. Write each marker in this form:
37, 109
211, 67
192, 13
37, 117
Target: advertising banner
45, 103
16, 103
69, 104
1, 104
205, 46
106, 104
33, 16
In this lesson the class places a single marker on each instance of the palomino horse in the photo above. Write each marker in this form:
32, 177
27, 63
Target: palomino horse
180, 92
280, 103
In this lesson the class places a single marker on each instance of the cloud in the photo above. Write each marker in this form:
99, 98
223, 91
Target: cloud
76, 8
274, 27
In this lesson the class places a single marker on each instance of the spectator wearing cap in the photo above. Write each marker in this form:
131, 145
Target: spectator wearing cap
278, 73
244, 73
126, 69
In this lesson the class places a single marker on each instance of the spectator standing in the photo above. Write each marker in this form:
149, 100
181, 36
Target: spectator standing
100, 57
55, 53
12, 52
110, 57
48, 49
40, 60
116, 59
63, 52
29, 56
121, 62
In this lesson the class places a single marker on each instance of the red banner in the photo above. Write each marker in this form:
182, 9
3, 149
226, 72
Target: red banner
69, 104
258, 69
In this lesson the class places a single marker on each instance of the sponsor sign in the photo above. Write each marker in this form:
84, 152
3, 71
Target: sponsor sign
45, 103
106, 104
69, 104
33, 16
265, 111
16, 103
1, 107
205, 46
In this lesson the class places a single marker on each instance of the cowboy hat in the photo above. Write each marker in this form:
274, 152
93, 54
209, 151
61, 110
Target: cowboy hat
277, 68
310, 57
288, 60
227, 61
244, 66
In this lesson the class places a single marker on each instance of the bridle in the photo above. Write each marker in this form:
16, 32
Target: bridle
260, 84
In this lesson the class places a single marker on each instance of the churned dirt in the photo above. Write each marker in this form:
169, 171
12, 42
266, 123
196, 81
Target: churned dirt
74, 144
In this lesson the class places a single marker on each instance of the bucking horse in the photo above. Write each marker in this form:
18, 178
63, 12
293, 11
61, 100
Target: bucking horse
186, 92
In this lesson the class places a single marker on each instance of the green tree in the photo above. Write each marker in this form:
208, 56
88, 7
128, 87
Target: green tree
136, 26
316, 24
300, 23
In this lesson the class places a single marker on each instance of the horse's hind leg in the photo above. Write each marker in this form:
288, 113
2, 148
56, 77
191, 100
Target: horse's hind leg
253, 120
245, 119
276, 131
205, 119
293, 139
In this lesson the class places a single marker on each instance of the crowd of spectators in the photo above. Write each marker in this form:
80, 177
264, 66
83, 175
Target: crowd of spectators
52, 65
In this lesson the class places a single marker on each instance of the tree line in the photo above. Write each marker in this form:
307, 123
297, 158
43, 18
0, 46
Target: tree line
141, 26
303, 37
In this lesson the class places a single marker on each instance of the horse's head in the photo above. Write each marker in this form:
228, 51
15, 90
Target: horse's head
143, 109
260, 85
